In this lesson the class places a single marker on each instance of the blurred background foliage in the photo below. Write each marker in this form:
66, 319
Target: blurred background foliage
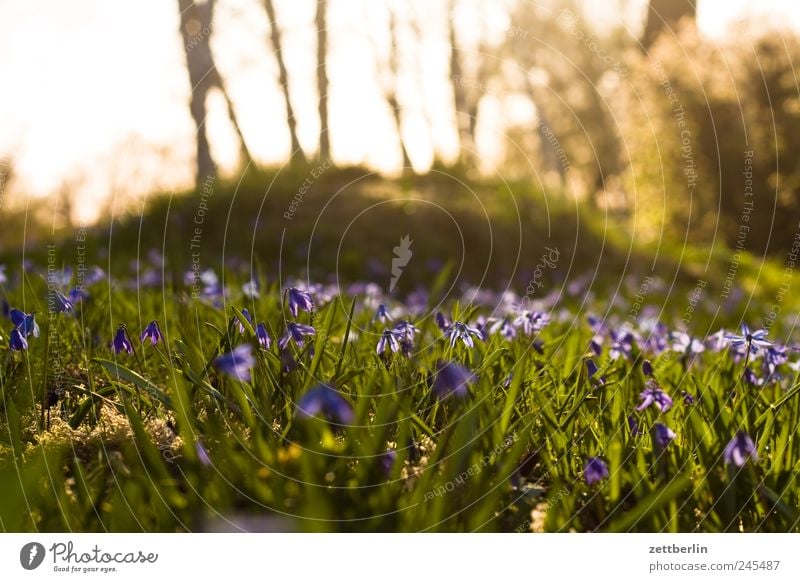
629, 137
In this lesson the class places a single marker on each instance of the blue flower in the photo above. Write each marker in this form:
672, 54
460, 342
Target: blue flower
594, 470
451, 379
247, 316
751, 378
647, 368
531, 321
122, 343
263, 336
688, 399
17, 341
202, 454
323, 399
389, 338
152, 332
24, 322
442, 322
504, 327
753, 340
77, 294
774, 356
299, 300
633, 425
405, 332
463, 332
406, 329
59, 302
740, 449
237, 363
653, 394
622, 346
250, 289
95, 275
382, 314
387, 460
297, 332
686, 344
592, 369
662, 435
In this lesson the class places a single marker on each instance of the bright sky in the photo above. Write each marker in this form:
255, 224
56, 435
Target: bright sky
95, 92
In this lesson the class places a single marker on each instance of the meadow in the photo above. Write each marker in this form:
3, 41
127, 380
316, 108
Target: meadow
151, 393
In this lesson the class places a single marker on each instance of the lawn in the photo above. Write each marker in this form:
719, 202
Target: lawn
614, 399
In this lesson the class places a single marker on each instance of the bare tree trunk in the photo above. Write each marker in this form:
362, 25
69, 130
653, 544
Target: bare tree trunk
297, 154
390, 91
196, 30
322, 78
665, 15
464, 122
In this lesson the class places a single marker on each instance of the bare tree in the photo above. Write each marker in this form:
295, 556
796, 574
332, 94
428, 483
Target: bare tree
387, 73
322, 78
666, 15
297, 154
196, 30
467, 92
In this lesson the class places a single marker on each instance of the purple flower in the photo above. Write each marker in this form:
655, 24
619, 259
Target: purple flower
152, 332
323, 399
382, 314
406, 329
288, 363
753, 340
95, 275
463, 332
202, 454
647, 368
633, 425
237, 363
505, 328
688, 399
451, 379
122, 343
622, 346
389, 338
442, 322
299, 300
686, 344
774, 357
405, 332
247, 316
263, 336
751, 378
387, 460
594, 470
297, 332
59, 303
250, 289
24, 322
740, 449
77, 294
592, 369
531, 321
653, 394
662, 435
17, 341
717, 341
